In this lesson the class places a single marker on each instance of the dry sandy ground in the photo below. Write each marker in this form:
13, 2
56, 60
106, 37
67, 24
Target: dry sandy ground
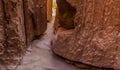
41, 57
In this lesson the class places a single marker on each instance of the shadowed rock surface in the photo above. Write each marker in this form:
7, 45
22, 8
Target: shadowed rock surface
35, 18
66, 14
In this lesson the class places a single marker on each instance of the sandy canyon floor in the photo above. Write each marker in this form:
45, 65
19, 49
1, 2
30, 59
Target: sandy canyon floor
40, 56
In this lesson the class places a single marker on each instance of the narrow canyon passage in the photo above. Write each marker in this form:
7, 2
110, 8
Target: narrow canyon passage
40, 56
83, 34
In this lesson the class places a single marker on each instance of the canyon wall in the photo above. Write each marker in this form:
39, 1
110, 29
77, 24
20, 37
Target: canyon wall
20, 22
49, 10
95, 39
35, 15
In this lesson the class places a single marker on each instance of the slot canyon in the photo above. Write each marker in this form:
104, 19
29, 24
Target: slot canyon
59, 35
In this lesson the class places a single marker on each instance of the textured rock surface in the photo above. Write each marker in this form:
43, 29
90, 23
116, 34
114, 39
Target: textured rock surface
30, 20
2, 40
40, 16
35, 18
95, 39
20, 22
13, 31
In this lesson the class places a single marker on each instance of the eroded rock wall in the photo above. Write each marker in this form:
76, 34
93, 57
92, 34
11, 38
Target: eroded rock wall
14, 32
95, 39
20, 22
35, 18
40, 16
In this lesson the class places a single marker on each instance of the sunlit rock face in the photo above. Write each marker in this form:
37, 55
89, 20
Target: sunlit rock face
95, 39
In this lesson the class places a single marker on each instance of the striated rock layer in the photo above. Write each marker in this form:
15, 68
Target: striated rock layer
96, 38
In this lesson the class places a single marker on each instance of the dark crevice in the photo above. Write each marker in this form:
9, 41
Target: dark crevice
66, 14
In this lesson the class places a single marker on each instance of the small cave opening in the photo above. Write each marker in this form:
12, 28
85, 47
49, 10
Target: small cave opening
66, 13
63, 13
